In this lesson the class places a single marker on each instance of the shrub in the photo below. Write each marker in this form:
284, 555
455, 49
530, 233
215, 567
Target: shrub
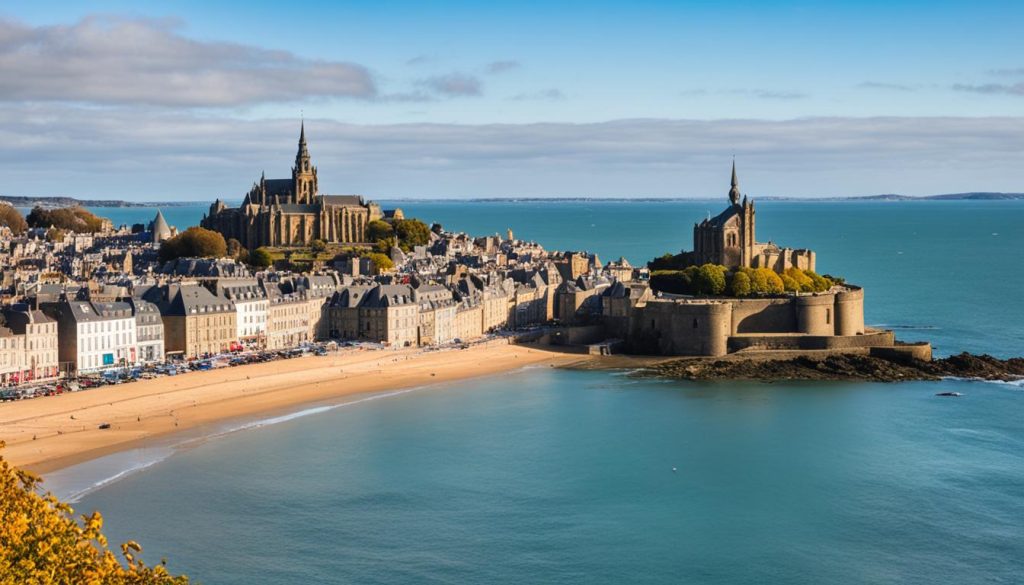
11, 217
671, 281
260, 258
318, 246
195, 242
41, 542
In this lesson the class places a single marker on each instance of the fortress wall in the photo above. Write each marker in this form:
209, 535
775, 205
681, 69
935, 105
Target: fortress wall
814, 315
762, 316
850, 312
875, 339
905, 353
683, 328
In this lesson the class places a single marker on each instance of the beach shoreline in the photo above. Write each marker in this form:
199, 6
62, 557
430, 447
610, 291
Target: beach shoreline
55, 432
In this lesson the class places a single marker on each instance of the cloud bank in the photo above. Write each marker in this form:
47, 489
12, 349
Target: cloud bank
108, 60
140, 153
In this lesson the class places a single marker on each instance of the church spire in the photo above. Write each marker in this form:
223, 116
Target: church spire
303, 150
734, 192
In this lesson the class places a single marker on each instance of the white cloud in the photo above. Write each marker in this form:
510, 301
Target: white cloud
107, 60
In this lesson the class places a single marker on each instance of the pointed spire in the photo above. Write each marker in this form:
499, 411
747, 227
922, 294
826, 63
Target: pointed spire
734, 192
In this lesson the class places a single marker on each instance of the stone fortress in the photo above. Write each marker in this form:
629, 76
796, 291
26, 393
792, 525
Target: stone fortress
667, 324
293, 212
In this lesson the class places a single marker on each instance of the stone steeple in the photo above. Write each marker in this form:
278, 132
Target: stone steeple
734, 192
304, 173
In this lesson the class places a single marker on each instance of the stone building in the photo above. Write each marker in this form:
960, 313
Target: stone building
196, 321
293, 212
39, 342
729, 239
149, 330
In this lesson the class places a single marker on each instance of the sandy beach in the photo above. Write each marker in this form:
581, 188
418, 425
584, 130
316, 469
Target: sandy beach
49, 433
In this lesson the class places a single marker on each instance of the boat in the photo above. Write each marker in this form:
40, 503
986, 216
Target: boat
954, 394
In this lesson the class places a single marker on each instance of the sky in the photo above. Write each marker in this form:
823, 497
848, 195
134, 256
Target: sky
191, 100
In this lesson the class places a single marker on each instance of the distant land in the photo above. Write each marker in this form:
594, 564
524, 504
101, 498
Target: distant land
23, 201
59, 201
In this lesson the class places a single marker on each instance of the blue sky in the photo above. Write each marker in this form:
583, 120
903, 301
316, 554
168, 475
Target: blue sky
431, 99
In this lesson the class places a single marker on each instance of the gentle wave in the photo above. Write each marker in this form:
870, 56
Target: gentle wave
73, 483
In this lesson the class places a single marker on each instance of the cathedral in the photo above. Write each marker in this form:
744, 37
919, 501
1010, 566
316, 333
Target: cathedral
728, 239
293, 212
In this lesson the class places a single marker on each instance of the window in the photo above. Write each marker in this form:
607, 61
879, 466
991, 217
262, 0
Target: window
695, 324
828, 316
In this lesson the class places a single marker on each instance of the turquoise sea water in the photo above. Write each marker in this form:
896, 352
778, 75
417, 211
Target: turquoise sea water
550, 476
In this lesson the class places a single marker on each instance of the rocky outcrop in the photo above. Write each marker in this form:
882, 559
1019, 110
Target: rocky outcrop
841, 367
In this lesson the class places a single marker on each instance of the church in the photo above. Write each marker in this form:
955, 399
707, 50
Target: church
728, 239
293, 212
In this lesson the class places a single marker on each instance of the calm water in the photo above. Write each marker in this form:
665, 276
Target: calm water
549, 476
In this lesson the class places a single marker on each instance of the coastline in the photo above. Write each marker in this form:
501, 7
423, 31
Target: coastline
55, 432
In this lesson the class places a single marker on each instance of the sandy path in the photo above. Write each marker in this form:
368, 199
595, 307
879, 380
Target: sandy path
47, 433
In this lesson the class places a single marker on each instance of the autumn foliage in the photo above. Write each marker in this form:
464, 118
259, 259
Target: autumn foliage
42, 543
195, 242
72, 219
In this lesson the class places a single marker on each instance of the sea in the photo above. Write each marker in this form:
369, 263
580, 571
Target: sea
555, 476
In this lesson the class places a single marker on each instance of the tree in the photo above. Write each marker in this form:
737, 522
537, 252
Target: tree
671, 281
789, 285
803, 282
318, 246
412, 232
709, 280
41, 542
195, 242
820, 283
382, 262
379, 230
75, 219
11, 217
740, 285
260, 258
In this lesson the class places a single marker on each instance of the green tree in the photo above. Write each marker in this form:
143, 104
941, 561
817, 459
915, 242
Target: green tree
260, 258
412, 232
318, 246
709, 279
820, 283
379, 230
195, 242
671, 281
11, 218
740, 284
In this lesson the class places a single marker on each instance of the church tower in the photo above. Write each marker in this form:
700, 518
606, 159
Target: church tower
304, 173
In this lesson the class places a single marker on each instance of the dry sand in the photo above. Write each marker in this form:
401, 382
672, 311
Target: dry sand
51, 432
